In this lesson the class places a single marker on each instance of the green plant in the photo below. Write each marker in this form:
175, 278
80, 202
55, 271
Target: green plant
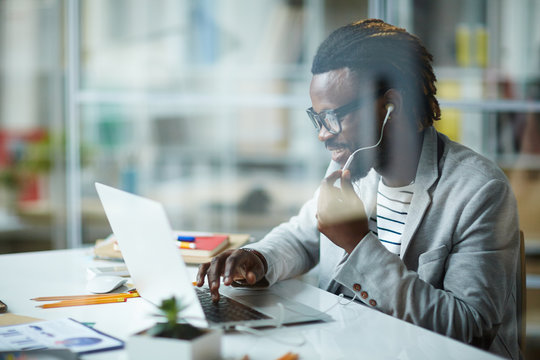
174, 327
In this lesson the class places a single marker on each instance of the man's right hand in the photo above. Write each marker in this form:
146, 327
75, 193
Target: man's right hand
245, 267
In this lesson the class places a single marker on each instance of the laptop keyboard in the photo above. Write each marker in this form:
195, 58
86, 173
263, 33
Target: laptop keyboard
226, 309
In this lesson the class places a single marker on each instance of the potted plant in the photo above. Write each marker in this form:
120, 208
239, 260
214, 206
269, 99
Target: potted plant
174, 337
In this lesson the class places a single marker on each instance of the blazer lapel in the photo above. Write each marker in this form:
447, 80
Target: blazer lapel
426, 175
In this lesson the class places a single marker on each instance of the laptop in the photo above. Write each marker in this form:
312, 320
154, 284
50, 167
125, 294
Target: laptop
150, 252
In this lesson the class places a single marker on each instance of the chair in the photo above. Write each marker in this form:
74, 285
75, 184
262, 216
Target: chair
521, 295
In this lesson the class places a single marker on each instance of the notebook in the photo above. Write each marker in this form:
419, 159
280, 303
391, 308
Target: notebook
149, 248
206, 245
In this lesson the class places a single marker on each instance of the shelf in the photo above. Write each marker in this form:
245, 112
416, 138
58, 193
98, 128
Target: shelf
499, 105
533, 281
519, 161
212, 102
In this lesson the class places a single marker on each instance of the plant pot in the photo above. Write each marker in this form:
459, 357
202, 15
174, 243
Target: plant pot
205, 346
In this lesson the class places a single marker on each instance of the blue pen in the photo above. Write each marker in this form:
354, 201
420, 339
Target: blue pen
185, 238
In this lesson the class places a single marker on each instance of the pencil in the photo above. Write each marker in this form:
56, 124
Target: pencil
96, 296
83, 298
289, 356
79, 302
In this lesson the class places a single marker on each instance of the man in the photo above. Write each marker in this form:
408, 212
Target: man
430, 235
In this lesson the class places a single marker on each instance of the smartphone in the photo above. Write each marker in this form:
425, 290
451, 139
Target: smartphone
108, 270
3, 307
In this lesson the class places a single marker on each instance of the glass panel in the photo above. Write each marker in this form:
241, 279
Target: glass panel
486, 61
31, 127
214, 170
486, 57
200, 106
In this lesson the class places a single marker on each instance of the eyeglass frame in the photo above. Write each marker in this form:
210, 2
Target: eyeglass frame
339, 113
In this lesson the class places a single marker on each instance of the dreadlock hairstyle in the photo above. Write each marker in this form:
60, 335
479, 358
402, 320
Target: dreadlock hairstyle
388, 55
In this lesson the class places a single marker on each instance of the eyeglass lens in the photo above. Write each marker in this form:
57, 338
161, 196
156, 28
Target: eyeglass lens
328, 119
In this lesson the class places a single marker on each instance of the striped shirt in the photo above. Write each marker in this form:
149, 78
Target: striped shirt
392, 209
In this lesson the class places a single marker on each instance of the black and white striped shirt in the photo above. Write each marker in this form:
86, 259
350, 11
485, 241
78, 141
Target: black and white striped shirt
392, 209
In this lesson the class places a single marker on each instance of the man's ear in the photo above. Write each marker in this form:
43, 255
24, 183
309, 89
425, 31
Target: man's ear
393, 97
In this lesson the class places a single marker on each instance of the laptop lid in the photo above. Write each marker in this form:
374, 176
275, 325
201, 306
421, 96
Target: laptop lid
149, 249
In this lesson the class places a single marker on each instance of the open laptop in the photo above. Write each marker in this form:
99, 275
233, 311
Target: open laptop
149, 249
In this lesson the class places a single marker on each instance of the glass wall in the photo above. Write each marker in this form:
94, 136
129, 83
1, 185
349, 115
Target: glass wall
32, 121
210, 95
200, 104
487, 59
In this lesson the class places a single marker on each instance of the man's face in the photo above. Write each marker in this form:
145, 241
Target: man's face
331, 90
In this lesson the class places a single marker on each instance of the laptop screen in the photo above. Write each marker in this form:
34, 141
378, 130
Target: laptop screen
149, 249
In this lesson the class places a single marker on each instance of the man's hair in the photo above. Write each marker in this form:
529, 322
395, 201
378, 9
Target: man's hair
388, 55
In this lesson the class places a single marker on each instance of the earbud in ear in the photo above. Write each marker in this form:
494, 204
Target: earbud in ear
389, 109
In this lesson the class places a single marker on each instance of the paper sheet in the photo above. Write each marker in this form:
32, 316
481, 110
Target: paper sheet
56, 334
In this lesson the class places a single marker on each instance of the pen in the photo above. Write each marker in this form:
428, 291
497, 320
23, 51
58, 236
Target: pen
97, 296
187, 245
79, 302
185, 238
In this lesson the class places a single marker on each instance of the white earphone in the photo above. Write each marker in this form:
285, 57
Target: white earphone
389, 108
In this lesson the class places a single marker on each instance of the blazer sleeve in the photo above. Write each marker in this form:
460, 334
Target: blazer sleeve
478, 276
291, 248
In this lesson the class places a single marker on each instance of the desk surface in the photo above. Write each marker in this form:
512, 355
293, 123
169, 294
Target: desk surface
357, 332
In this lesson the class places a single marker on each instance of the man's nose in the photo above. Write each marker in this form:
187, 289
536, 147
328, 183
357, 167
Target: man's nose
324, 134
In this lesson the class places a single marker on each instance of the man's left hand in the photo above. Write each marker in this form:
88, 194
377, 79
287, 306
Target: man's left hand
340, 212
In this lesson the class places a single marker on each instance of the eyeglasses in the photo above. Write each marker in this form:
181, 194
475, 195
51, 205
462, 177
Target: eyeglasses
331, 119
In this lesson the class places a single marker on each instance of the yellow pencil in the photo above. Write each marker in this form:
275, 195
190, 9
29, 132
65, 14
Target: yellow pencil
80, 302
96, 296
289, 356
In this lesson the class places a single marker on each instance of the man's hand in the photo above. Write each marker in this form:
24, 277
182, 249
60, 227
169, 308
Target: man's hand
340, 213
241, 266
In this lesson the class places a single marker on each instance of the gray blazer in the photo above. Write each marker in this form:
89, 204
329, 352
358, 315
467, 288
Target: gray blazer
456, 273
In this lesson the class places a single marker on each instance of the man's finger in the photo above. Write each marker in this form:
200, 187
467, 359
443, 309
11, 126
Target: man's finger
214, 274
331, 179
251, 278
328, 191
201, 274
346, 184
233, 267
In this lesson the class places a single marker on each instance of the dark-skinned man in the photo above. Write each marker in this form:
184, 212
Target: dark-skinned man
416, 225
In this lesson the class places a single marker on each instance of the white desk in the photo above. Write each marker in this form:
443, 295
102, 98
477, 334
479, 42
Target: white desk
357, 332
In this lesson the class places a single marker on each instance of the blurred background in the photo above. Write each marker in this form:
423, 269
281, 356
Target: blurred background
200, 104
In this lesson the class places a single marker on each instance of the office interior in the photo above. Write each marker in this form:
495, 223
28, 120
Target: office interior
200, 104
